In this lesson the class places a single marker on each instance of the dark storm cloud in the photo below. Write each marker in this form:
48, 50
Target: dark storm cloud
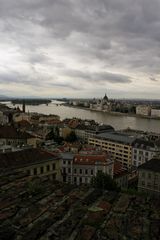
98, 77
109, 41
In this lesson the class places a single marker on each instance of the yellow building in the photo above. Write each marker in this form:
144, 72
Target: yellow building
117, 144
33, 162
64, 131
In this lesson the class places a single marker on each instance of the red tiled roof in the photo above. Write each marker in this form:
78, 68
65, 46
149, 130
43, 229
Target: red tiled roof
89, 159
118, 169
104, 205
23, 123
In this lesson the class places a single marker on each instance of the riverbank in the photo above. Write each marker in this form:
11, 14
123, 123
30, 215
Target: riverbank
113, 113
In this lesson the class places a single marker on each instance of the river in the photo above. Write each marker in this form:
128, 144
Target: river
118, 122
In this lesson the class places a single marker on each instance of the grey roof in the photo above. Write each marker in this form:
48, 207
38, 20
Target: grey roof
152, 165
67, 155
117, 137
144, 144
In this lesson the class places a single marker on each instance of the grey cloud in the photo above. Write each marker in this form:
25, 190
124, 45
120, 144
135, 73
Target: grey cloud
98, 76
121, 35
153, 79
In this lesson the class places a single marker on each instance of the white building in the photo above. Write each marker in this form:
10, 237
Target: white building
155, 112
143, 151
80, 168
143, 110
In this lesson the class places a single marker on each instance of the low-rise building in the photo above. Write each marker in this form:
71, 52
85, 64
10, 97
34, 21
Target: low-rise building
87, 166
143, 110
12, 136
84, 132
34, 162
119, 145
149, 177
155, 113
80, 168
21, 116
143, 151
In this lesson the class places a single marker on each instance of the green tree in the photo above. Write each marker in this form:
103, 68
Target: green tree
71, 137
50, 135
104, 182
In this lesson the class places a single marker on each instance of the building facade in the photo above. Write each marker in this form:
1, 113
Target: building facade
155, 113
149, 177
80, 168
143, 110
143, 151
119, 145
33, 162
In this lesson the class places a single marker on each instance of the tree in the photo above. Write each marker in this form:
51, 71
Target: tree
71, 137
104, 182
50, 135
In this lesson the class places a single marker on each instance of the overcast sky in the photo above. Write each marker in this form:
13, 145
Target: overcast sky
80, 48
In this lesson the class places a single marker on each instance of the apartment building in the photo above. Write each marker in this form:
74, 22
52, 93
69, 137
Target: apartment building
80, 168
84, 132
149, 177
144, 151
34, 162
118, 144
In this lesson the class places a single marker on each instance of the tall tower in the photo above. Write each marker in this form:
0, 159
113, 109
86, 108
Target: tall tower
24, 106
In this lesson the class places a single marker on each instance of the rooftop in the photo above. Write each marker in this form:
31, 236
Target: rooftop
90, 159
117, 136
9, 132
27, 157
152, 165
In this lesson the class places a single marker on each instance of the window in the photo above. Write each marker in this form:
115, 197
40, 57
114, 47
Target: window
53, 176
64, 162
42, 170
80, 180
143, 174
149, 184
80, 171
75, 170
35, 171
69, 162
86, 171
53, 166
156, 186
143, 183
75, 180
48, 168
69, 170
91, 172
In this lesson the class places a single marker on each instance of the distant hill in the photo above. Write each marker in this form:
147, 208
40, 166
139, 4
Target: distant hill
3, 97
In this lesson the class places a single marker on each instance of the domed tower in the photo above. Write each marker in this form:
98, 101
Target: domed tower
105, 99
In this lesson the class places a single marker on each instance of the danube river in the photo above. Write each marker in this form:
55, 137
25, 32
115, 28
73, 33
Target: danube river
118, 122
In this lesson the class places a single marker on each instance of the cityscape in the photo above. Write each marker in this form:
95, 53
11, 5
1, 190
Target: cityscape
79, 120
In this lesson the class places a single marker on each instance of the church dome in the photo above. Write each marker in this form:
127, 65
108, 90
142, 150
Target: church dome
105, 98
